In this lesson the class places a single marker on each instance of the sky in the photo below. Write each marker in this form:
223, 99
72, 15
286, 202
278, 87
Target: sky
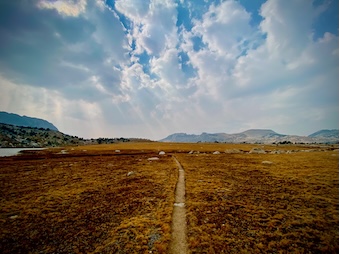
150, 68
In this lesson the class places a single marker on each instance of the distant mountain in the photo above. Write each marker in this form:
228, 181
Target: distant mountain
17, 120
255, 136
325, 134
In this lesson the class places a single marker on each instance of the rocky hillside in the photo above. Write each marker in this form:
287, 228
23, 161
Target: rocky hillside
22, 137
256, 136
15, 136
17, 120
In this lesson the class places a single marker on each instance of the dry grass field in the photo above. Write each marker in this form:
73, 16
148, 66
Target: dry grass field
86, 200
237, 204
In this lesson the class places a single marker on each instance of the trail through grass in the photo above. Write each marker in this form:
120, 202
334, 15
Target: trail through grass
178, 243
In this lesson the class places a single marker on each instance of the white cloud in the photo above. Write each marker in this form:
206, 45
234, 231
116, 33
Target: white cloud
168, 69
224, 28
288, 27
135, 10
153, 24
67, 8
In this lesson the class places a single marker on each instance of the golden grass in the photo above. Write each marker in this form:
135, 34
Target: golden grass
84, 202
77, 203
236, 204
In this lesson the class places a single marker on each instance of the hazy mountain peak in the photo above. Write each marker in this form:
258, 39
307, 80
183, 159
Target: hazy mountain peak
256, 136
25, 121
325, 133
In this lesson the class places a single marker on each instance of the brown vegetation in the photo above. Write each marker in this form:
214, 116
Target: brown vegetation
83, 201
236, 204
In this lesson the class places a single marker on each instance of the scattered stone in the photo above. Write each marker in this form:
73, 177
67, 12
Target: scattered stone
153, 159
275, 152
194, 152
130, 173
63, 152
267, 162
230, 151
257, 150
179, 204
216, 152
162, 153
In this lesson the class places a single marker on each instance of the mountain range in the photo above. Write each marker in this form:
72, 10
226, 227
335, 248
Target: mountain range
25, 121
256, 136
14, 133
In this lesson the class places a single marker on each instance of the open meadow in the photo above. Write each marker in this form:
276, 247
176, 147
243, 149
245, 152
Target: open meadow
114, 199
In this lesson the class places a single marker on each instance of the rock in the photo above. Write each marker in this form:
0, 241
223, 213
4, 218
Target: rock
257, 151
267, 162
117, 151
191, 152
63, 152
162, 153
216, 152
130, 173
233, 151
275, 152
179, 204
13, 217
153, 159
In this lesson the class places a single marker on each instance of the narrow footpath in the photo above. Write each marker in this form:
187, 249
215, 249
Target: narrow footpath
178, 243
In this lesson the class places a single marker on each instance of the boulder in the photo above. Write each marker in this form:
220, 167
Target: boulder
233, 151
216, 152
162, 153
257, 150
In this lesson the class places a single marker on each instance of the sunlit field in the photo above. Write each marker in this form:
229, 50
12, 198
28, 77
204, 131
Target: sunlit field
112, 199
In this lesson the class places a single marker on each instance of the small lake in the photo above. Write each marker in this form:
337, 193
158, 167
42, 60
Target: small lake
14, 151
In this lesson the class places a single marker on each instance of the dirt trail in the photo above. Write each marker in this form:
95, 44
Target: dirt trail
178, 243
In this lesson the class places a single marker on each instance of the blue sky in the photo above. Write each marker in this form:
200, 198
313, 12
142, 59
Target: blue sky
150, 68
